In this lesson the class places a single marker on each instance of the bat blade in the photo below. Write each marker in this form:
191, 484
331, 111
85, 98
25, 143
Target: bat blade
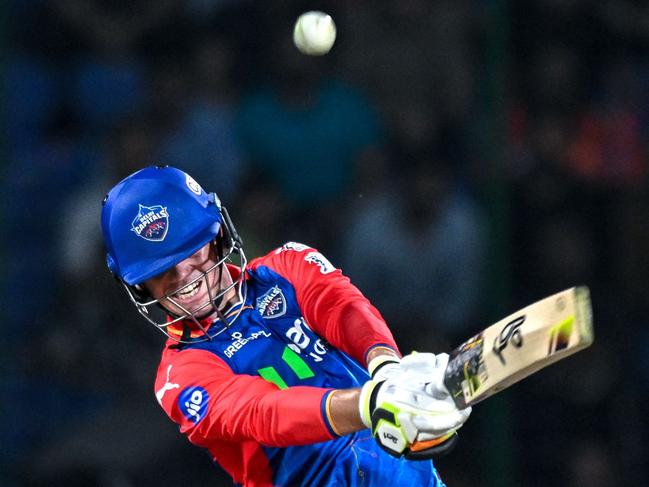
520, 344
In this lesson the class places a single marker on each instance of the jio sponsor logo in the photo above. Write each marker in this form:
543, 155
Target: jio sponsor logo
193, 403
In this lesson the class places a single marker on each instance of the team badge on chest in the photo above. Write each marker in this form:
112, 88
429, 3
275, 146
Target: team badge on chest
151, 223
272, 304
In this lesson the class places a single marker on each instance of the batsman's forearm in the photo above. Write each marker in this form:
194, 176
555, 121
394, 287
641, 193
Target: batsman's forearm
344, 413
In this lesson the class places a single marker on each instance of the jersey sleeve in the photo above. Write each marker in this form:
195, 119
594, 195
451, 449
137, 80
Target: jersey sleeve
332, 306
210, 402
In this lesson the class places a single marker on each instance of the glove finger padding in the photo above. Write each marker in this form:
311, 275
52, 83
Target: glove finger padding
424, 362
431, 367
436, 425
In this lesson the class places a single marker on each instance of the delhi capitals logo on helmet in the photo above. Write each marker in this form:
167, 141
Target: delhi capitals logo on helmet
151, 223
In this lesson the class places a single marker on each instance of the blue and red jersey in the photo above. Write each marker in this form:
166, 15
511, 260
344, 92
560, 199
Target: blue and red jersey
257, 396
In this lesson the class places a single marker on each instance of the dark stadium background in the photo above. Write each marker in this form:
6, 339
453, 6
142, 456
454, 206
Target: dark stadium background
458, 158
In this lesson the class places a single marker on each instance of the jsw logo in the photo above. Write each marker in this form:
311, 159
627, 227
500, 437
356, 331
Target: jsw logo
301, 341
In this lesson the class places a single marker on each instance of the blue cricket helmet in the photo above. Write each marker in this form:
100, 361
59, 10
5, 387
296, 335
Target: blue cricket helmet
154, 219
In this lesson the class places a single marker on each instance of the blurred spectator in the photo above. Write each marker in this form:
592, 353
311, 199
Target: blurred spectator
62, 360
38, 181
262, 215
129, 147
592, 465
95, 89
413, 52
610, 145
553, 80
631, 251
304, 131
204, 12
107, 77
113, 29
417, 250
203, 141
33, 98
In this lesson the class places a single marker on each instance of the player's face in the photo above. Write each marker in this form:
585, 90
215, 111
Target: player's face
188, 285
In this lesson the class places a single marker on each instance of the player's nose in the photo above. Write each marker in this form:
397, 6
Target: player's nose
181, 271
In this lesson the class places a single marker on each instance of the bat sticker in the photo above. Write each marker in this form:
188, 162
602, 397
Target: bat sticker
560, 335
466, 370
510, 333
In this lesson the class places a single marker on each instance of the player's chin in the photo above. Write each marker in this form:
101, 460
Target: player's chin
200, 309
197, 309
208, 311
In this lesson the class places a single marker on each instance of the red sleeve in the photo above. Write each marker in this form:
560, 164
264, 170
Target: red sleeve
209, 401
331, 305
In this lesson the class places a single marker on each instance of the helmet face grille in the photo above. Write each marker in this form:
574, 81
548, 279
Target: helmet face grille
208, 319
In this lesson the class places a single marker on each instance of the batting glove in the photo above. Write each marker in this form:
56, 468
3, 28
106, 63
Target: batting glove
409, 416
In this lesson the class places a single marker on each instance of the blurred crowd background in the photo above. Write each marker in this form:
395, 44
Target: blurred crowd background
458, 159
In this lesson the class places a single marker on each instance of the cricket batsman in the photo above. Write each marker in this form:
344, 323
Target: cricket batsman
280, 368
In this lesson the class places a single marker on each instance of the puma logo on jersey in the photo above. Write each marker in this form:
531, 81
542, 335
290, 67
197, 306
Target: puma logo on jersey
167, 387
301, 341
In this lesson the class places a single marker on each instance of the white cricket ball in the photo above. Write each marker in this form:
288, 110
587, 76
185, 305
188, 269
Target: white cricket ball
314, 33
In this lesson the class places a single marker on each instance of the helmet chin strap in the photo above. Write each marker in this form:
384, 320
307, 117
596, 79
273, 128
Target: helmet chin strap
187, 333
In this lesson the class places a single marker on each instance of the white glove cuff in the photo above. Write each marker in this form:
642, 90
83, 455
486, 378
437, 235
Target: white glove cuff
364, 402
379, 361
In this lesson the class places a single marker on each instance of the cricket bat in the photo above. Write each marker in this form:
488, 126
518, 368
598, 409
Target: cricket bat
519, 345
